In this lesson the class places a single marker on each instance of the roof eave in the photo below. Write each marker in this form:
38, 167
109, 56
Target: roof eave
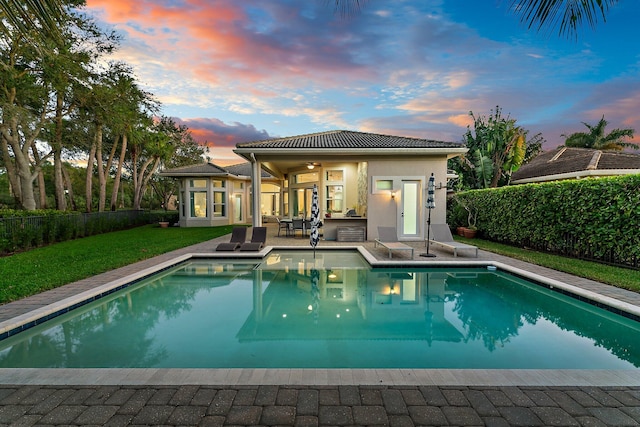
577, 175
246, 152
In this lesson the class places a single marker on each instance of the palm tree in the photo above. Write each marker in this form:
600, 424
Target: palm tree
34, 17
570, 14
598, 139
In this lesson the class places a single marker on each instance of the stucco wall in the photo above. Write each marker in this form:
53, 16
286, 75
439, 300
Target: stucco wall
384, 211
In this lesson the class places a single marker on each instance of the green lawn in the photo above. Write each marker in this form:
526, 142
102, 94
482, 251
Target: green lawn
37, 270
621, 277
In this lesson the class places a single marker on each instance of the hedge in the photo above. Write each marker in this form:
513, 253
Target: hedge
22, 230
588, 218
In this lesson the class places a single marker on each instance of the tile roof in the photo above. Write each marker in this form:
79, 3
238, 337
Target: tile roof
341, 139
572, 161
199, 169
210, 169
244, 169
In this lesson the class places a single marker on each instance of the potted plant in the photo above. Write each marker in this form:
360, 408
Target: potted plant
472, 213
328, 213
470, 231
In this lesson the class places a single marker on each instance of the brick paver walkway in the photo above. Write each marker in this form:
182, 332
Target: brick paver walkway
188, 405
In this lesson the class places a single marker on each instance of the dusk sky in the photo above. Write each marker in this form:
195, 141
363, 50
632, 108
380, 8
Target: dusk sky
243, 70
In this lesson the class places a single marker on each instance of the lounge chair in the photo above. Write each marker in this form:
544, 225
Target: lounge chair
388, 238
258, 239
238, 237
441, 236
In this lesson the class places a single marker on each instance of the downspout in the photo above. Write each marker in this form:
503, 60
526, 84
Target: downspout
256, 181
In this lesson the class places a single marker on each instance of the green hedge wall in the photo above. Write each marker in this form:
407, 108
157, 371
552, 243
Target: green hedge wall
22, 230
588, 218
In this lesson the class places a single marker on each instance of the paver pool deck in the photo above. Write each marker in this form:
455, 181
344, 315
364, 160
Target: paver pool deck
313, 397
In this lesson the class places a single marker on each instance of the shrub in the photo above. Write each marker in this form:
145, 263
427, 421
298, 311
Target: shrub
590, 218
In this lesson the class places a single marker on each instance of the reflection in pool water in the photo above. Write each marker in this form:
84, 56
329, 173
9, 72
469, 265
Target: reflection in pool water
294, 311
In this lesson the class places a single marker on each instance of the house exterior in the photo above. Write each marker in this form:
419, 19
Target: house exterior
212, 195
575, 163
364, 180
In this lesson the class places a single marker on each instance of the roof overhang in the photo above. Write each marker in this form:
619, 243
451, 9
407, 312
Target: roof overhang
278, 161
577, 175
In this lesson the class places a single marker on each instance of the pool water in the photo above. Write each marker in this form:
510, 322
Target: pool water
291, 310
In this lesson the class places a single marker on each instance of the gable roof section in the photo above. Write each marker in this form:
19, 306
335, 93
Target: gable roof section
343, 140
201, 169
570, 163
244, 169
211, 169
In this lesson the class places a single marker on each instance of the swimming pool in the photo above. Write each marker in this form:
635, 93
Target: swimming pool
291, 310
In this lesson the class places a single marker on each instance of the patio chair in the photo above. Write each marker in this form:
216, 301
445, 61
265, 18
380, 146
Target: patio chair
238, 237
284, 225
297, 224
441, 236
388, 238
258, 239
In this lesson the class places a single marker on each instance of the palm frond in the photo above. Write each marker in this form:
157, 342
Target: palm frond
569, 15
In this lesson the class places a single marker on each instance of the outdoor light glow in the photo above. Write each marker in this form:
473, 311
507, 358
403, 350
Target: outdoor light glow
309, 307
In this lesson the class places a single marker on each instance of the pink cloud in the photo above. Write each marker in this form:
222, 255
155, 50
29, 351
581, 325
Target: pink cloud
212, 41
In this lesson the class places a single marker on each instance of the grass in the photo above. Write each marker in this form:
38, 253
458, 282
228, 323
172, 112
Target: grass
40, 269
620, 277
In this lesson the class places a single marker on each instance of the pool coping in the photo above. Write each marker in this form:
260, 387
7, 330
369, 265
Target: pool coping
466, 377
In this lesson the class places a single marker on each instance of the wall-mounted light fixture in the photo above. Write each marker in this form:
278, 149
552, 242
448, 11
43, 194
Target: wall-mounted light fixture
393, 194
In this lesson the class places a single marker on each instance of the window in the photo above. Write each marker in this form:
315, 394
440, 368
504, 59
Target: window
384, 184
219, 198
270, 199
306, 177
198, 183
334, 175
334, 190
198, 202
335, 198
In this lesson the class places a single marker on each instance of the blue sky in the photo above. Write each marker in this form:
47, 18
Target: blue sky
237, 71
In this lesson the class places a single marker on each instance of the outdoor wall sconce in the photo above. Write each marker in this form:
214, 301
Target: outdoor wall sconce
393, 195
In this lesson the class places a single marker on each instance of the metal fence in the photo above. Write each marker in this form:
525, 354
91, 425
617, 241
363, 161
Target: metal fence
18, 233
573, 247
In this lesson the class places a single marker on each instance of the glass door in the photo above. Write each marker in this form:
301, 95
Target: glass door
238, 217
410, 210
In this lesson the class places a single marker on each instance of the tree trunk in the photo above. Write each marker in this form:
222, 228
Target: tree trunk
58, 179
89, 177
102, 181
69, 188
116, 180
42, 202
12, 173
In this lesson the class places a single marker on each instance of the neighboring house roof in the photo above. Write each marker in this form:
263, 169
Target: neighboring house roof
344, 140
573, 163
210, 169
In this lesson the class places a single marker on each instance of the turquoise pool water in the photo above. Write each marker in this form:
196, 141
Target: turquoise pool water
293, 311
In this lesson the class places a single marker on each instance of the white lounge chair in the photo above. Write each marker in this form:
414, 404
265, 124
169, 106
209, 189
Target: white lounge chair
441, 236
388, 237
